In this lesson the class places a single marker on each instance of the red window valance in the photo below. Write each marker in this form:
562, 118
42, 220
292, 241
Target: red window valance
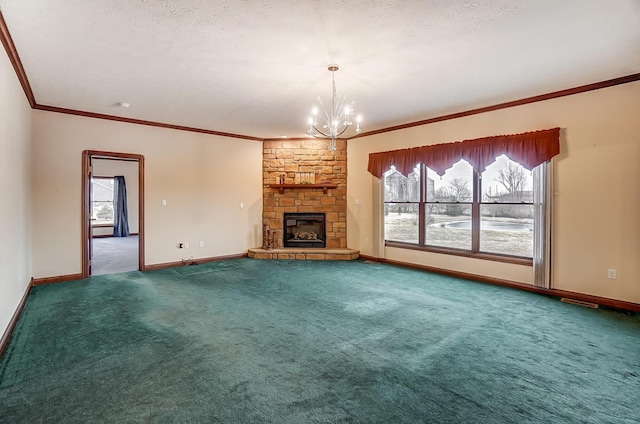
529, 149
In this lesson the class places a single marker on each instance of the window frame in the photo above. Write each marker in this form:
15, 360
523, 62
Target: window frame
476, 203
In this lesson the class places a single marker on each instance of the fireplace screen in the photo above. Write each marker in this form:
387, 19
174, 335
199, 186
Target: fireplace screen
304, 230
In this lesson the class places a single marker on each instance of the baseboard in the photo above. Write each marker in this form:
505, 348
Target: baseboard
219, 258
165, 265
602, 301
56, 279
14, 319
154, 267
199, 261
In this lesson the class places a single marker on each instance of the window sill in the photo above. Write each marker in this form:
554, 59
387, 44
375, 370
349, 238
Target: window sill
455, 252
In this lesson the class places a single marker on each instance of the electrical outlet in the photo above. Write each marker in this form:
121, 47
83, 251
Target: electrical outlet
612, 274
201, 243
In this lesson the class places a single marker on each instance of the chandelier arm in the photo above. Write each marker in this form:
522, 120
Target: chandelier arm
322, 137
320, 132
342, 132
344, 116
341, 106
342, 99
327, 118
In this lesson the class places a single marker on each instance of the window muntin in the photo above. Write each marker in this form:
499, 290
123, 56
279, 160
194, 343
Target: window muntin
102, 201
457, 213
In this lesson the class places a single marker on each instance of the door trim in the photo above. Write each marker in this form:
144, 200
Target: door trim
87, 155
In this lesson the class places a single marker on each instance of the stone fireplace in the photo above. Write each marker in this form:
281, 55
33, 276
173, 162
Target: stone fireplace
286, 191
304, 230
286, 159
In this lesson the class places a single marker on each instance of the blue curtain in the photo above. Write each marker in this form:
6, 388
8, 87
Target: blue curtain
120, 216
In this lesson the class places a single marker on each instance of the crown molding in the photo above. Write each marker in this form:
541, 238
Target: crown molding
539, 98
14, 58
141, 122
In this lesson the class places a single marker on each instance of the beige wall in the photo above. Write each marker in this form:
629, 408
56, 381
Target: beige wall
596, 208
15, 201
128, 169
203, 179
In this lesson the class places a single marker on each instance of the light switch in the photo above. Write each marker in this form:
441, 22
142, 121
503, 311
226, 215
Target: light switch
164, 202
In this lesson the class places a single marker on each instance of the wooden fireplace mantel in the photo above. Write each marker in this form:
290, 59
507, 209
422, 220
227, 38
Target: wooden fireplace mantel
323, 186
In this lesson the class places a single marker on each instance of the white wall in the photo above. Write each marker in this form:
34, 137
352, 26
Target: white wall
129, 170
203, 178
15, 200
596, 208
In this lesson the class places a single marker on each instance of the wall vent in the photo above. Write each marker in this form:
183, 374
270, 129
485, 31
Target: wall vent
580, 303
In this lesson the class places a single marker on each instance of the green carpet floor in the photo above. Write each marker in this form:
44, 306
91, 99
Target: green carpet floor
250, 341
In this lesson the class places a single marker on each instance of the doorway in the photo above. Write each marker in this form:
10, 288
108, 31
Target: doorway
103, 174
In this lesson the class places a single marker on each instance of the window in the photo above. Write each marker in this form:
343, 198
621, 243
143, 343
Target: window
401, 207
102, 201
448, 207
462, 211
474, 198
506, 209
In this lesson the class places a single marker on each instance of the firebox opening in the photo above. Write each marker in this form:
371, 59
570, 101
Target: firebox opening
304, 230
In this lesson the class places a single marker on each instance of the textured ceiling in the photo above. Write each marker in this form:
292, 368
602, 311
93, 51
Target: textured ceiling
255, 67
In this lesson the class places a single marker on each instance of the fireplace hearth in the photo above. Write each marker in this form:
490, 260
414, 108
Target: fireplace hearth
304, 230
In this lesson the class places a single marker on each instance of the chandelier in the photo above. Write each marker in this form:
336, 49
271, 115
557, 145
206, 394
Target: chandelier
335, 121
